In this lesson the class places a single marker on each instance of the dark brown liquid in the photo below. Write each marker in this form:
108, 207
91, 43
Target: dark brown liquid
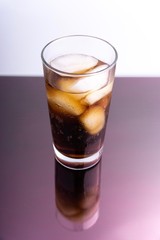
70, 137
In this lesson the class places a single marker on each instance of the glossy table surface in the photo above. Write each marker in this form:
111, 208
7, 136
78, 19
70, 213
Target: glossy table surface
130, 171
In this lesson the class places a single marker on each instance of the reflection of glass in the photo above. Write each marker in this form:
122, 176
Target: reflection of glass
77, 196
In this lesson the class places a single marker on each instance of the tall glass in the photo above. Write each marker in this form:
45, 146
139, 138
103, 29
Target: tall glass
79, 75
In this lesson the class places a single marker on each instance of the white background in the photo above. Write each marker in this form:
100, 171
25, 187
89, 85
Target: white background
132, 26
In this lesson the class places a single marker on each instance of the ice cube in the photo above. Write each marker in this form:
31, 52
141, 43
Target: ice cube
64, 102
78, 96
93, 119
105, 101
84, 84
95, 96
74, 63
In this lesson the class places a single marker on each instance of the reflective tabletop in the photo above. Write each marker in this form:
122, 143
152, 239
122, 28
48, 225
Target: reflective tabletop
127, 177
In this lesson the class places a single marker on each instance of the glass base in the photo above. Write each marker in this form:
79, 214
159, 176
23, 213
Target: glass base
78, 163
77, 225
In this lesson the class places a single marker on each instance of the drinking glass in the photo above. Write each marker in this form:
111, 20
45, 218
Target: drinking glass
79, 75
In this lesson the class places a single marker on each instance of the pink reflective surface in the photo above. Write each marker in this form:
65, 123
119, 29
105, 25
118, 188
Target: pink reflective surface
130, 170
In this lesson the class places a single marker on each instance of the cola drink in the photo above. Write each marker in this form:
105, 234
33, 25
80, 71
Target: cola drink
79, 89
79, 75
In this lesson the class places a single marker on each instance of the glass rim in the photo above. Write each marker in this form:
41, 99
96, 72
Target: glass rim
78, 74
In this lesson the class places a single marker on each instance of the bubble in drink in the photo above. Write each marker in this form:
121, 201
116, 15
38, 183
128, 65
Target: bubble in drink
79, 92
